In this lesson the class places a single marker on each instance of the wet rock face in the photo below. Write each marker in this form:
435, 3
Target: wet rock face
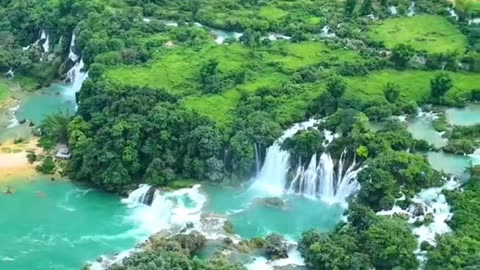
276, 247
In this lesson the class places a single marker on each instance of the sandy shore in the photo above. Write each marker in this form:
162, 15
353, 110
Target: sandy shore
14, 162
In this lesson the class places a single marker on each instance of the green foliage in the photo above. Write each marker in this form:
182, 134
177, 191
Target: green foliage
391, 92
47, 166
210, 77
401, 55
439, 85
350, 6
31, 156
336, 87
54, 130
303, 145
461, 249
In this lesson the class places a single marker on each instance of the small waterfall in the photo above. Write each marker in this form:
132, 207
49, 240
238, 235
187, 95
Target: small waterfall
393, 10
71, 54
430, 202
46, 42
13, 122
10, 74
76, 77
321, 180
452, 13
411, 9
326, 32
144, 194
272, 178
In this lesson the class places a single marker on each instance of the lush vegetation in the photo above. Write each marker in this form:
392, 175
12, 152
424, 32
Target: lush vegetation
460, 250
164, 101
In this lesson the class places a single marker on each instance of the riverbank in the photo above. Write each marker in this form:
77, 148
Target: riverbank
14, 162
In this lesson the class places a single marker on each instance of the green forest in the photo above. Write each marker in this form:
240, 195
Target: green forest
196, 91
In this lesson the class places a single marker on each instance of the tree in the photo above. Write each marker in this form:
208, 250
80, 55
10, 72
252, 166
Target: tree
350, 6
211, 78
391, 92
390, 244
401, 55
54, 129
439, 85
366, 7
336, 87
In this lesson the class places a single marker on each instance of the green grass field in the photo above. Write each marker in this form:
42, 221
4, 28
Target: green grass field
272, 13
293, 56
431, 33
415, 84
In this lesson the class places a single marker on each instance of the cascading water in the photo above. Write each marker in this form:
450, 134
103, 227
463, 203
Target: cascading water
315, 180
71, 54
272, 178
411, 9
322, 181
431, 202
46, 42
76, 76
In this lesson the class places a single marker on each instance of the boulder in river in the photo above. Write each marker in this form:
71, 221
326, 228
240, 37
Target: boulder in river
276, 247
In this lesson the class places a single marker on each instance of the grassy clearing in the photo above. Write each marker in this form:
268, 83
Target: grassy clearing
293, 56
176, 71
415, 84
431, 33
272, 13
219, 107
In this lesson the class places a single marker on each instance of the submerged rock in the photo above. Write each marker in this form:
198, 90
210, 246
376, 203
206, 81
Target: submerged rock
273, 202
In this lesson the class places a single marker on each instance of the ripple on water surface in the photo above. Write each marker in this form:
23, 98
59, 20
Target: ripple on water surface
57, 225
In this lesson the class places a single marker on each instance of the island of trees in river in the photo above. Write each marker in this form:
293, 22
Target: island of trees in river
171, 99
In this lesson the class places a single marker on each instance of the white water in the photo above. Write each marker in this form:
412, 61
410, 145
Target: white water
71, 54
431, 201
453, 13
46, 42
326, 32
272, 179
314, 180
10, 74
393, 10
411, 9
76, 77
13, 122
276, 36
322, 181
169, 211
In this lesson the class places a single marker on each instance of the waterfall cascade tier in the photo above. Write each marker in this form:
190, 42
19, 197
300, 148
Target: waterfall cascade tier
314, 180
71, 54
321, 180
272, 177
76, 76
46, 42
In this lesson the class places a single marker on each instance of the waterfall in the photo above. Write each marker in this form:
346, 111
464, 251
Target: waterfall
431, 202
411, 9
10, 74
452, 13
144, 194
393, 10
155, 211
46, 42
71, 54
321, 180
76, 77
272, 178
